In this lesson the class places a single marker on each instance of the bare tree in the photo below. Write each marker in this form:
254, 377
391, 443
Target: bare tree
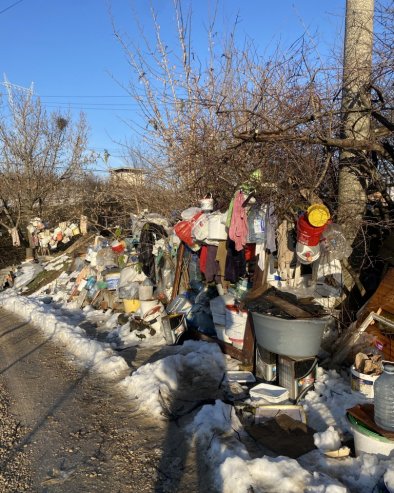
41, 154
211, 123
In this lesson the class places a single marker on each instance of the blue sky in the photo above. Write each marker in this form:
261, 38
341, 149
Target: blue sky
68, 49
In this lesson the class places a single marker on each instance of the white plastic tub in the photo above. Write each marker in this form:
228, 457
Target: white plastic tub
367, 441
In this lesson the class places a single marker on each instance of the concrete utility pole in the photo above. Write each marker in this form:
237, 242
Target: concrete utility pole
356, 105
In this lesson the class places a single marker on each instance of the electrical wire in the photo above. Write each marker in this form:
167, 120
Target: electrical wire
10, 6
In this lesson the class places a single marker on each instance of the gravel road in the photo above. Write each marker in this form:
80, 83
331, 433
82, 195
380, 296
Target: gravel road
63, 430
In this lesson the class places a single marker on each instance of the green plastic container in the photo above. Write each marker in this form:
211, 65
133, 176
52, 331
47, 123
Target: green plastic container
368, 441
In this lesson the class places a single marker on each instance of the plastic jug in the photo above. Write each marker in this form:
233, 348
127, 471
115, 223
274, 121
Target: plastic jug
384, 397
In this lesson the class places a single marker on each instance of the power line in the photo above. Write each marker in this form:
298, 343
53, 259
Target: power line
10, 6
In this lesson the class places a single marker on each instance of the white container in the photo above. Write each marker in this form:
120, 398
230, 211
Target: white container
153, 317
360, 382
369, 442
216, 227
307, 254
207, 203
235, 324
268, 392
147, 305
112, 280
145, 292
218, 318
221, 333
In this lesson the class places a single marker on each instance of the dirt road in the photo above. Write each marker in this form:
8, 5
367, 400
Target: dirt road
72, 433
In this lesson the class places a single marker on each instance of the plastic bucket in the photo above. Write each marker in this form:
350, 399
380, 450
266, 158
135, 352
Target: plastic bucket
117, 247
207, 203
307, 254
295, 337
112, 280
148, 304
216, 228
367, 441
308, 234
145, 292
360, 382
131, 306
318, 215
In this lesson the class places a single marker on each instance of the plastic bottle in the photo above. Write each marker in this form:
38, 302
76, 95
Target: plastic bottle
256, 224
334, 242
384, 397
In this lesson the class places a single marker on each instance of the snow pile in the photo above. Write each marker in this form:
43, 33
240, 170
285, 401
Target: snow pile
57, 263
26, 273
326, 405
89, 352
327, 440
218, 434
152, 381
389, 478
360, 474
123, 336
216, 429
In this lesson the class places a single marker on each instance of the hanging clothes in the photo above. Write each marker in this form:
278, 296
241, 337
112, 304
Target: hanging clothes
238, 231
235, 263
212, 265
271, 225
203, 258
285, 254
149, 234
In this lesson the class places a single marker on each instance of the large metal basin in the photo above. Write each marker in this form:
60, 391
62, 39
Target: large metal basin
296, 337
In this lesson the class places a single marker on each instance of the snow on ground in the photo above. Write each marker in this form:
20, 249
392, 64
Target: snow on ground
89, 352
327, 440
216, 427
161, 377
26, 273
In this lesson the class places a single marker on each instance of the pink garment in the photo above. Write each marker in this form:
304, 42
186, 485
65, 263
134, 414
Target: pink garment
238, 231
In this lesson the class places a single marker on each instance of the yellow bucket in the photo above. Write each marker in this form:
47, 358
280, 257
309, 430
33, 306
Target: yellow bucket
318, 215
131, 306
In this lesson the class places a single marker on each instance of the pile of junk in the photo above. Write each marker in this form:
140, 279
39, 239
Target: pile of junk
265, 289
202, 277
48, 239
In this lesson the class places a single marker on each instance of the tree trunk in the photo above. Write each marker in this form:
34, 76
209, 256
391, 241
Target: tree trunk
356, 110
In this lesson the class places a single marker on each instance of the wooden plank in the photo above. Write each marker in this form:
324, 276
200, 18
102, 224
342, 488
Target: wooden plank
249, 347
178, 271
289, 308
225, 347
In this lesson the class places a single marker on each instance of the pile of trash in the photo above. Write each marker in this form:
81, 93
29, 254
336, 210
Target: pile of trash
48, 239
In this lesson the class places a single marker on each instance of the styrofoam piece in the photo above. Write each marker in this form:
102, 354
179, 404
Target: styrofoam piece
241, 376
268, 392
266, 412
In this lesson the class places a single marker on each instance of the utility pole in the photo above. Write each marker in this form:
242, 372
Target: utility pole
356, 114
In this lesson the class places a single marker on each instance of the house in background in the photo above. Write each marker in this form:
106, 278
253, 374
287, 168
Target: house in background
129, 176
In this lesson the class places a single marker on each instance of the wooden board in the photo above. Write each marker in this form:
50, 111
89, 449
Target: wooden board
289, 308
365, 414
